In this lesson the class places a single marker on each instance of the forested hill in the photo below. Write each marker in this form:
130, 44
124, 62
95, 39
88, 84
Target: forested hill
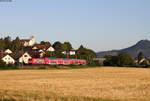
141, 46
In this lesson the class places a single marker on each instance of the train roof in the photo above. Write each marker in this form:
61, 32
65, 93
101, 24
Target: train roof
64, 59
60, 59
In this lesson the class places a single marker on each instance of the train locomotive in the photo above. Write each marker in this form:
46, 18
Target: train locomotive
57, 61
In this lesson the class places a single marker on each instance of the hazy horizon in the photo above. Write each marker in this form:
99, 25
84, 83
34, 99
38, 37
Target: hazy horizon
97, 24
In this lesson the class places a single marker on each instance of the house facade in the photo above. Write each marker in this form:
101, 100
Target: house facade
43, 47
21, 57
8, 59
71, 52
28, 42
50, 49
24, 58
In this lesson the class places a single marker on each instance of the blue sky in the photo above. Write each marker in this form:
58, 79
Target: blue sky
97, 24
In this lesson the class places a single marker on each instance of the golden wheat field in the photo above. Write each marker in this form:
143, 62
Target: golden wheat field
90, 84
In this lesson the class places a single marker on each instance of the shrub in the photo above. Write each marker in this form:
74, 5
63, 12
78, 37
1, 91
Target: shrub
3, 65
122, 59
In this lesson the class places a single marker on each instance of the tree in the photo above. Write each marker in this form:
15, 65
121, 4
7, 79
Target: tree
58, 46
58, 49
66, 46
124, 59
84, 53
7, 41
2, 64
81, 52
45, 43
111, 60
16, 45
50, 54
2, 43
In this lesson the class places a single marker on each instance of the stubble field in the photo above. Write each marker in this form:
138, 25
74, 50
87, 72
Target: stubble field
91, 84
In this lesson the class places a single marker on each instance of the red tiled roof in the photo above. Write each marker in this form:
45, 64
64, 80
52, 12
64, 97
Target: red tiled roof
25, 40
33, 54
42, 46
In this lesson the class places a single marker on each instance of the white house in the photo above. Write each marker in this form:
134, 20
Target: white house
21, 57
8, 51
28, 42
50, 49
43, 47
24, 58
8, 59
71, 52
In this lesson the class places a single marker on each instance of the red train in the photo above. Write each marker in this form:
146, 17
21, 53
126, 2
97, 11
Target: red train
57, 61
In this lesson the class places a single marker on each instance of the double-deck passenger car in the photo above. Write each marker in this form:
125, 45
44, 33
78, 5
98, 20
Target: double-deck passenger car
57, 61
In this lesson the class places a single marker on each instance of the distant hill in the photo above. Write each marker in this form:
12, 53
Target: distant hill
141, 46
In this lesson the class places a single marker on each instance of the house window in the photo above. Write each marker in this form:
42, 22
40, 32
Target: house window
25, 56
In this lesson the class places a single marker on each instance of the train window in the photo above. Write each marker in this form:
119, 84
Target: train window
40, 61
53, 62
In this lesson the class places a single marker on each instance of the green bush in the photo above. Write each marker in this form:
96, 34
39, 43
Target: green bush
121, 60
94, 63
3, 65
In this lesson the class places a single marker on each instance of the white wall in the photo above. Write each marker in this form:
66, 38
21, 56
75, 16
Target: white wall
8, 59
25, 58
51, 49
32, 41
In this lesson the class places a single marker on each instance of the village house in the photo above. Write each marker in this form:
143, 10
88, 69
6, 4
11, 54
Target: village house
8, 59
28, 42
21, 57
41, 54
5, 51
140, 62
37, 54
50, 49
8, 51
43, 47
24, 58
71, 52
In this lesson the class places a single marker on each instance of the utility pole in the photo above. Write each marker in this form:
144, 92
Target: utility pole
21, 61
22, 56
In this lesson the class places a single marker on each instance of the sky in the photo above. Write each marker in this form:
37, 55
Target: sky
96, 24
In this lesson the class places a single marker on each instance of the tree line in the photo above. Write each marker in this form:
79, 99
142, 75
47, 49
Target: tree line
125, 60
